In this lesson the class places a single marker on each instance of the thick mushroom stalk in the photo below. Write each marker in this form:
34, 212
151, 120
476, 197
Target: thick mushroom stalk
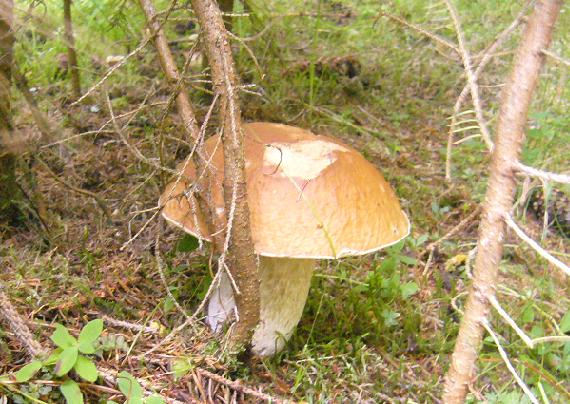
284, 289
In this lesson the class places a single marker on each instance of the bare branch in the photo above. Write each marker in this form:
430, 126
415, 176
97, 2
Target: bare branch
508, 363
535, 246
544, 175
129, 326
557, 58
112, 70
530, 342
184, 106
471, 78
487, 55
423, 31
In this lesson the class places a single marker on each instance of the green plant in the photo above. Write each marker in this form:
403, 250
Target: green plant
69, 354
132, 389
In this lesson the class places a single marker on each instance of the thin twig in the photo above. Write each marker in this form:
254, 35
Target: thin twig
471, 78
526, 339
545, 175
508, 363
250, 53
541, 251
487, 55
421, 30
132, 148
236, 385
460, 226
556, 57
129, 326
122, 62
530, 342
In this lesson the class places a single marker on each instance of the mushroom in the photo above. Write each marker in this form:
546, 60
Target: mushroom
310, 197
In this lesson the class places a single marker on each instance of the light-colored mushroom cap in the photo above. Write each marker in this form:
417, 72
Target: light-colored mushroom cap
309, 196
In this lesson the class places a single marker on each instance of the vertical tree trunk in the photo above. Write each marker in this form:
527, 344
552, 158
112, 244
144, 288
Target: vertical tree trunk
241, 258
515, 103
8, 186
71, 54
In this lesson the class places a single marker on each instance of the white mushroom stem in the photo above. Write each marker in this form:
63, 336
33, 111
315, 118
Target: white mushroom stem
284, 289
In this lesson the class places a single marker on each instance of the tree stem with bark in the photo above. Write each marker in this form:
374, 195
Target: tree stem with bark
8, 186
71, 54
515, 104
241, 258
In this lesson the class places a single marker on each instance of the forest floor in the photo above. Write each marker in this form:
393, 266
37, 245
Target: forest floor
377, 328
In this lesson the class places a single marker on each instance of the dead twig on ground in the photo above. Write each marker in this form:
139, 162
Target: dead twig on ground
19, 327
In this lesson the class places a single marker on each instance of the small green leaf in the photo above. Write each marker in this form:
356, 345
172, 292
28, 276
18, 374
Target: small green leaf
86, 348
91, 331
565, 323
168, 304
408, 260
421, 240
388, 265
527, 315
71, 392
66, 361
537, 331
408, 289
53, 357
130, 387
181, 366
390, 317
154, 399
86, 369
62, 338
188, 243
28, 371
396, 247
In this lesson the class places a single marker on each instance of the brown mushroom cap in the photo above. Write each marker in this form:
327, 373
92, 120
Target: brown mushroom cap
309, 196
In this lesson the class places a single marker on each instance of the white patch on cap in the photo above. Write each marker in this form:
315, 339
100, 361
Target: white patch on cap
304, 160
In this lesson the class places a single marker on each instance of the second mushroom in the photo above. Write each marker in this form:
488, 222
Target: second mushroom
311, 197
